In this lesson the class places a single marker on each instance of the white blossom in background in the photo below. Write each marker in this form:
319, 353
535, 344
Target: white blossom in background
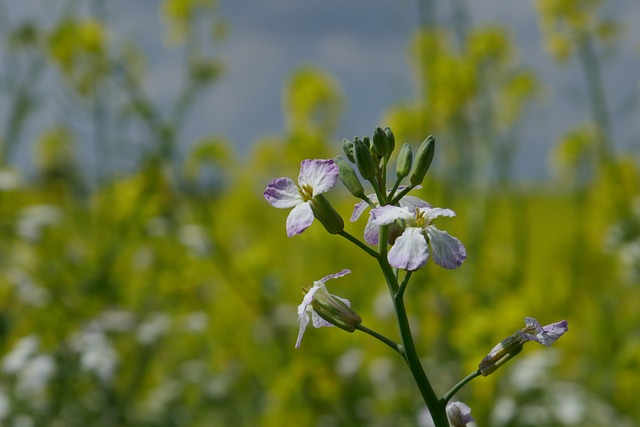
34, 219
34, 377
113, 321
10, 179
5, 405
195, 322
151, 330
19, 356
97, 355
23, 420
28, 291
194, 237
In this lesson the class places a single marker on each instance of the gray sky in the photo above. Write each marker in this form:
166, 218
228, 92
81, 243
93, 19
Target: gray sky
268, 39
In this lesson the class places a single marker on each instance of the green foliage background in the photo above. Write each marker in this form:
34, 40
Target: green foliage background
164, 293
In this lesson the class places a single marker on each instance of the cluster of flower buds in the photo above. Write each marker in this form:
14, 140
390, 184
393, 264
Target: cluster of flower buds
371, 155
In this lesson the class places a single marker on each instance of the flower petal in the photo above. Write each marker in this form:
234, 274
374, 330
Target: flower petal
304, 321
321, 175
433, 213
358, 209
319, 322
299, 219
413, 203
459, 414
546, 335
333, 276
371, 232
387, 214
410, 250
448, 252
282, 193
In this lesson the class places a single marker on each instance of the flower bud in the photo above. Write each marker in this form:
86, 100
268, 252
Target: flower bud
326, 214
364, 160
501, 354
349, 178
424, 156
458, 414
512, 345
405, 158
347, 147
391, 138
380, 142
335, 311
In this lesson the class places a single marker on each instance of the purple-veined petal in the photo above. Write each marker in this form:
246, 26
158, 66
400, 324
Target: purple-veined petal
459, 414
319, 322
282, 193
413, 203
333, 276
303, 313
305, 310
410, 251
320, 175
433, 213
299, 219
371, 232
448, 252
304, 321
358, 209
387, 214
546, 335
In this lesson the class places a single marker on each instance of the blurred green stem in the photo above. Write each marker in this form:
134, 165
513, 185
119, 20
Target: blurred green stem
597, 100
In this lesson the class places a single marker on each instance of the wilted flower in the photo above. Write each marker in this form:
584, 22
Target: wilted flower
411, 250
316, 177
371, 231
459, 414
326, 309
512, 345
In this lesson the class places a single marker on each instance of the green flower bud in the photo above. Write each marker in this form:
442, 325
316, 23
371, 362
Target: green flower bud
509, 348
326, 214
380, 142
348, 147
349, 178
405, 158
424, 156
363, 159
391, 138
334, 311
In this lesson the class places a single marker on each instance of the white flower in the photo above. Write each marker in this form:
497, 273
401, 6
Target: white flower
411, 250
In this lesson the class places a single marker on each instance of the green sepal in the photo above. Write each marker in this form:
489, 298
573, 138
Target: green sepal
326, 214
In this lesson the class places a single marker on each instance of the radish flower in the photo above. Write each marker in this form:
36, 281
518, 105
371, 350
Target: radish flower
316, 177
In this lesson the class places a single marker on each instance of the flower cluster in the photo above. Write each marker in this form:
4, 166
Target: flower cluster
401, 235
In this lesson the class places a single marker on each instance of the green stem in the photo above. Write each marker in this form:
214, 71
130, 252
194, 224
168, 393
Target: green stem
394, 345
401, 194
395, 188
445, 399
436, 408
403, 285
358, 243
